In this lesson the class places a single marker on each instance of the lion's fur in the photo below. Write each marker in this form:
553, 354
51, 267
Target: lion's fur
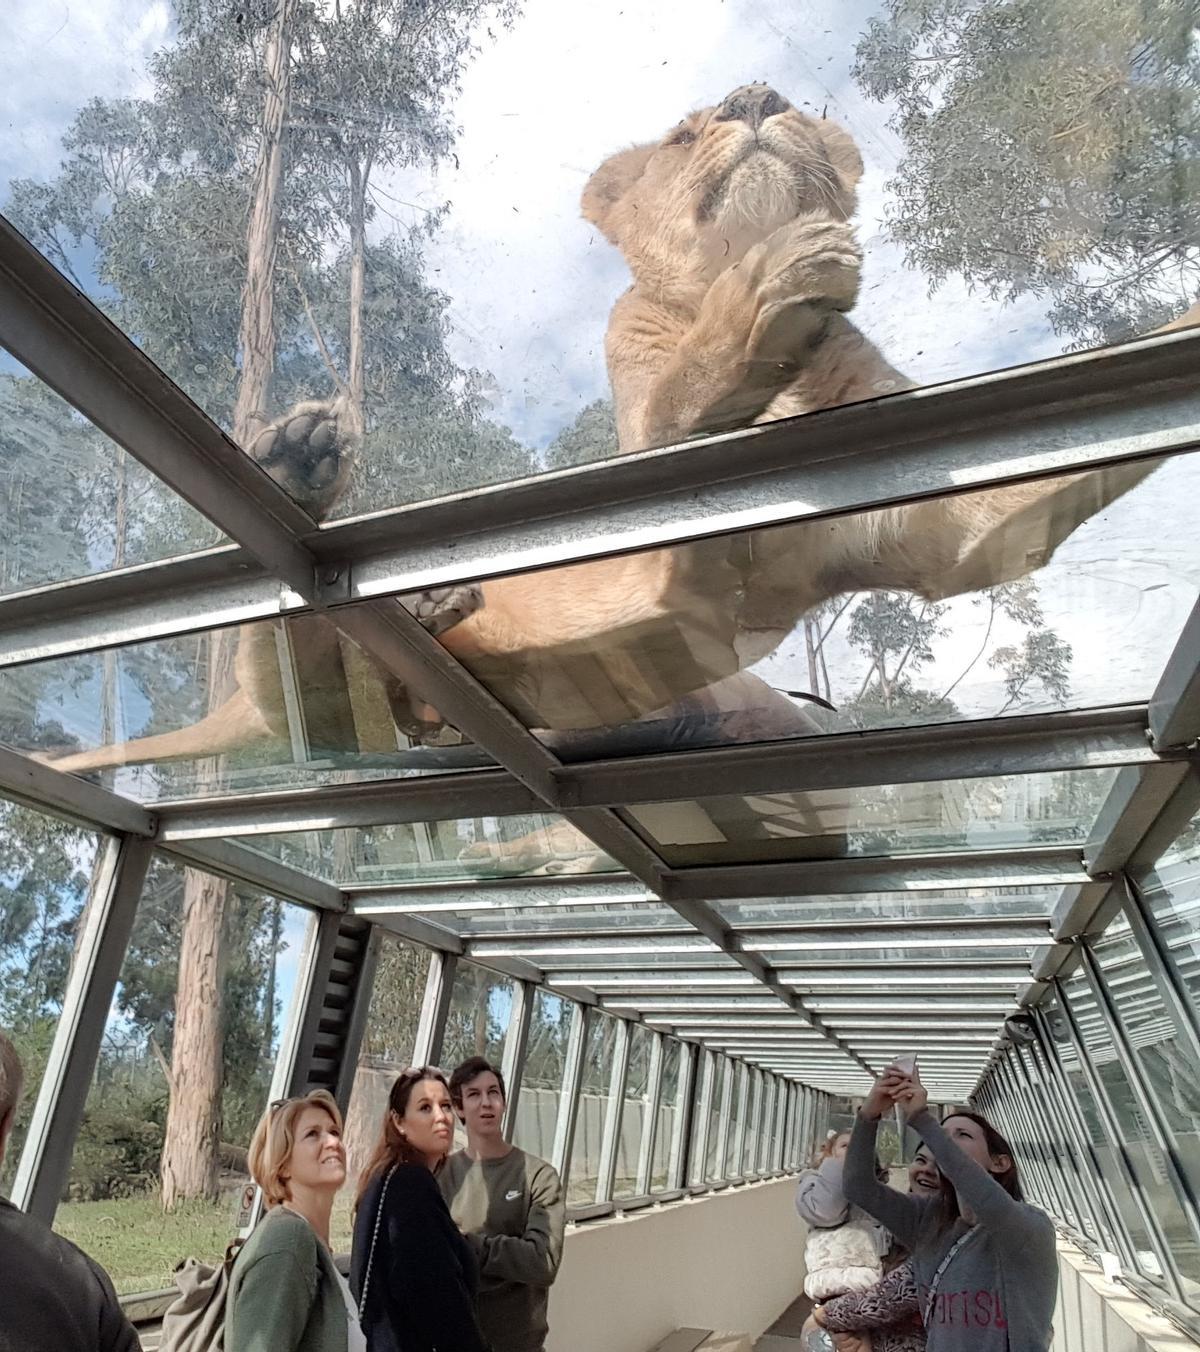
744, 266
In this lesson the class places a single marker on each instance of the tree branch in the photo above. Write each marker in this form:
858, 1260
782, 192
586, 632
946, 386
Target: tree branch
326, 356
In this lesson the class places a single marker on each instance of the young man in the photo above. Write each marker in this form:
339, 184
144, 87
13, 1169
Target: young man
510, 1205
52, 1296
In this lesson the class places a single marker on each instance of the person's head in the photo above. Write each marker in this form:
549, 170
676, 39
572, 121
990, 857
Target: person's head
297, 1148
12, 1077
418, 1126
977, 1138
836, 1146
478, 1094
924, 1177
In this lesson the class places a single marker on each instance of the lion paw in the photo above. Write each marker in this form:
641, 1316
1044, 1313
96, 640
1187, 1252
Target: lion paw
441, 608
799, 275
309, 453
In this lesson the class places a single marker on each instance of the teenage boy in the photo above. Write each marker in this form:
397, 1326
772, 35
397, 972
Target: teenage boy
511, 1208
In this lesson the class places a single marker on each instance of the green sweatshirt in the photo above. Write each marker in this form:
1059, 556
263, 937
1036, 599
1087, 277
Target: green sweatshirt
513, 1212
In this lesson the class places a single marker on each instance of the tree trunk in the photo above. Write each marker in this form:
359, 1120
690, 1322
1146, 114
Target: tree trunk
357, 381
193, 1133
257, 334
190, 1147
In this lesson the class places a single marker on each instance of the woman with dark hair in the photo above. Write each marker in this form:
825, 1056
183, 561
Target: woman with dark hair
412, 1273
984, 1260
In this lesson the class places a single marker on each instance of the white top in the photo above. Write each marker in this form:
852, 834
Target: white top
356, 1340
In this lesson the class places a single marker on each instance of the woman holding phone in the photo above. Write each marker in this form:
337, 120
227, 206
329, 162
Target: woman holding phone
984, 1260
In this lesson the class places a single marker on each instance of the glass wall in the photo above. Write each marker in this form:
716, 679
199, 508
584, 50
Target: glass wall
595, 1087
541, 1082
47, 871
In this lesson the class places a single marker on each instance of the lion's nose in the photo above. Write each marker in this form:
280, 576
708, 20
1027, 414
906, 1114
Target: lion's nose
752, 104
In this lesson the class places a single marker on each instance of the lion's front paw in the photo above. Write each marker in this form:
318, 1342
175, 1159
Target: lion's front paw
799, 275
309, 453
441, 608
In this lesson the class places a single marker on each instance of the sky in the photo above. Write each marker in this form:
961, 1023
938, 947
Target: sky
531, 283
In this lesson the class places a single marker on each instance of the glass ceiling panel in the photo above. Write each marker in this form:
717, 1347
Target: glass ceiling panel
72, 502
551, 919
997, 812
730, 639
976, 902
429, 262
286, 703
446, 851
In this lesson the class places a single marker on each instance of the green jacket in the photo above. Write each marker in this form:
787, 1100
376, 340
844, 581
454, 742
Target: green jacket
283, 1291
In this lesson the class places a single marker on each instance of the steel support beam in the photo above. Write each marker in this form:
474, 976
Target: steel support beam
228, 859
103, 936
898, 873
388, 802
516, 1046
431, 1027
46, 789
1038, 743
1175, 704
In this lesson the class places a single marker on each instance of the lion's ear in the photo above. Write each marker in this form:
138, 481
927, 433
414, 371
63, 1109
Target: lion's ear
611, 182
843, 155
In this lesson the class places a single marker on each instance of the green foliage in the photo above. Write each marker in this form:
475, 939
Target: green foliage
1052, 147
592, 436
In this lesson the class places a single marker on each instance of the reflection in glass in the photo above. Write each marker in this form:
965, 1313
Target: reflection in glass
47, 872
163, 1141
717, 1106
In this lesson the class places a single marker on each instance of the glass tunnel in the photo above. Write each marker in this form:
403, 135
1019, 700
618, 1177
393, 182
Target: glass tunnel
656, 545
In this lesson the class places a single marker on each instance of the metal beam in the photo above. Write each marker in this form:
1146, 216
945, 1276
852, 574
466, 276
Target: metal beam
227, 859
46, 789
1066, 414
654, 1081
388, 802
1063, 415
1129, 810
104, 929
1175, 704
210, 589
516, 1044
1035, 867
1039, 743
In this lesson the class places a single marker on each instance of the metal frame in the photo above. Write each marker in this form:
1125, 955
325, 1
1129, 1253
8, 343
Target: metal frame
1117, 407
516, 1047
104, 930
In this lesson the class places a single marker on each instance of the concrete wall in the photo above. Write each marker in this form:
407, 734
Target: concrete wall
732, 1261
1095, 1315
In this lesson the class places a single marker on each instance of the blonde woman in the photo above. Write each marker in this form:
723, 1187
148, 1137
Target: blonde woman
285, 1295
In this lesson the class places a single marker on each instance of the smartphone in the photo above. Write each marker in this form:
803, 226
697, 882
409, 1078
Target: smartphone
907, 1063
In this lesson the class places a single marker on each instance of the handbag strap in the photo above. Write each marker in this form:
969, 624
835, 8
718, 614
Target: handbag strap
931, 1299
362, 1302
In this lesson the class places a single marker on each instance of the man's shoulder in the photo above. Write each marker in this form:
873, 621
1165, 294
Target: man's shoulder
35, 1237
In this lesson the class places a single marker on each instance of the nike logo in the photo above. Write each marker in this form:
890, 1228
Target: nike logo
512, 1196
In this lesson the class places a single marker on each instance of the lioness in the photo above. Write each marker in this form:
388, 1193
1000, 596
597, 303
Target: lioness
736, 228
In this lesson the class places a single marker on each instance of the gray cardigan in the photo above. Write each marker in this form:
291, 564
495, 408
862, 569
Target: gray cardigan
283, 1292
998, 1292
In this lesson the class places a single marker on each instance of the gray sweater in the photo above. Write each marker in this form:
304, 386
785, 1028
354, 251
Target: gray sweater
998, 1293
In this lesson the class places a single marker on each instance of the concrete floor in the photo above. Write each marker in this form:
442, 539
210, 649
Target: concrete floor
784, 1333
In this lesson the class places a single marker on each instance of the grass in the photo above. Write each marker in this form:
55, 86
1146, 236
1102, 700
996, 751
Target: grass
138, 1246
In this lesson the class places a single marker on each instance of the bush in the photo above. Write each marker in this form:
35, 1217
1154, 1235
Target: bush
118, 1151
